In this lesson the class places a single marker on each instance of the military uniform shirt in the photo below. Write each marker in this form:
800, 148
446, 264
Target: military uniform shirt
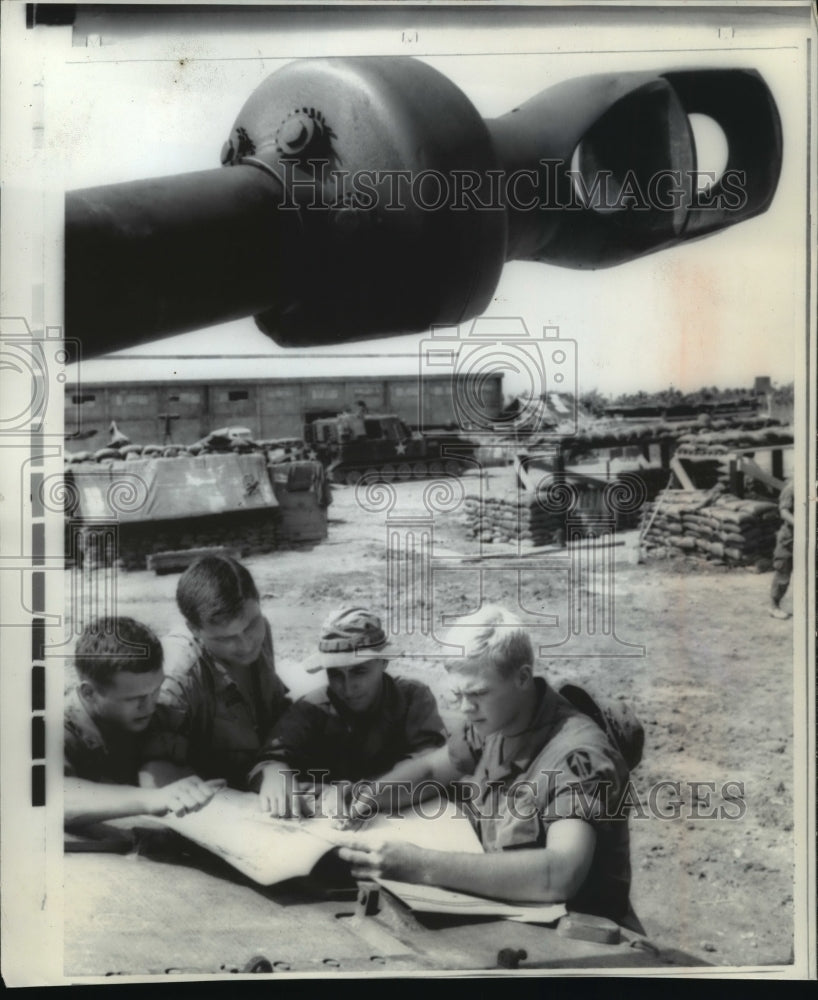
320, 734
786, 502
561, 767
208, 724
88, 754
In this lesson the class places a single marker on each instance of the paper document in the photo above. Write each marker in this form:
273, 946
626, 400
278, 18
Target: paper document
267, 852
441, 826
270, 850
431, 899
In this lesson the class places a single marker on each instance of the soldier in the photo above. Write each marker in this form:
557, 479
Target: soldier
222, 695
361, 724
546, 796
109, 715
782, 556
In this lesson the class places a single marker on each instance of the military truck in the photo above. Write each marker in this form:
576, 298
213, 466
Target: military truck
380, 447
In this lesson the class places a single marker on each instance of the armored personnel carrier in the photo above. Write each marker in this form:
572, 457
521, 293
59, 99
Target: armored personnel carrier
380, 446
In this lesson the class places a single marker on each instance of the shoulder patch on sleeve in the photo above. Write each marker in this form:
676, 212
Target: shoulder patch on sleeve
579, 763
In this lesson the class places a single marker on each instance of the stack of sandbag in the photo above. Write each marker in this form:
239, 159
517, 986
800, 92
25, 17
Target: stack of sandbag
713, 442
513, 517
708, 454
720, 528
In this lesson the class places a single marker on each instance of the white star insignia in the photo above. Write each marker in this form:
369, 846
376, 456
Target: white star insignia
400, 448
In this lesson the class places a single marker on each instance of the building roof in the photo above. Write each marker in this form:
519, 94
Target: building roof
114, 369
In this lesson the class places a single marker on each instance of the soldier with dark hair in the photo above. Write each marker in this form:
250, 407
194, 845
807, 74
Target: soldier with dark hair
222, 694
109, 716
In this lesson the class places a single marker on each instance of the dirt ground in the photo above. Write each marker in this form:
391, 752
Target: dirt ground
713, 690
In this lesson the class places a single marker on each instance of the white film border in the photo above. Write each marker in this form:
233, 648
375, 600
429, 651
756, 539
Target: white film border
98, 103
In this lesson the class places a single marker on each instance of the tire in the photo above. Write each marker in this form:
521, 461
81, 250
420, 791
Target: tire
258, 964
353, 477
404, 472
452, 467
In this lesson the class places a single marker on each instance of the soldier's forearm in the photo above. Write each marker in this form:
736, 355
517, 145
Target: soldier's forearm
533, 876
158, 773
93, 801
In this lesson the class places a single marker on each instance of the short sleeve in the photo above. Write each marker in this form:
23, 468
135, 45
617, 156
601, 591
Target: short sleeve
169, 735
586, 784
294, 739
179, 654
181, 690
79, 760
69, 768
424, 729
167, 738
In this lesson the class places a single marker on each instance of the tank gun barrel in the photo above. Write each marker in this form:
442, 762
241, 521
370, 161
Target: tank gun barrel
365, 197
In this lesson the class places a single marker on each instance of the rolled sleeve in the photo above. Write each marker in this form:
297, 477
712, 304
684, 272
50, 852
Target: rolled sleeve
585, 785
169, 735
68, 768
166, 739
424, 728
296, 736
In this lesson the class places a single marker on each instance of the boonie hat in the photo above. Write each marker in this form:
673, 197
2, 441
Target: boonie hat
615, 718
349, 637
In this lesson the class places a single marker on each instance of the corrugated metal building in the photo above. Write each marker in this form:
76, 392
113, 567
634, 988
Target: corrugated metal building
154, 400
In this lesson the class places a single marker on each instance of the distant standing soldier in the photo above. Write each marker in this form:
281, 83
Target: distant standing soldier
782, 556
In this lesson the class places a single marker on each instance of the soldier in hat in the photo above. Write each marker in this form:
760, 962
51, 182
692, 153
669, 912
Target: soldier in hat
362, 724
548, 787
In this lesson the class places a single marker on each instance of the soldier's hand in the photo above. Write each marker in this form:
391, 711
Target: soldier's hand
278, 793
183, 796
397, 860
356, 814
333, 802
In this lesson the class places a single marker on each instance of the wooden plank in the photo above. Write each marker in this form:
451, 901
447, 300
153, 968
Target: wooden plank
542, 550
750, 468
772, 446
178, 560
678, 469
